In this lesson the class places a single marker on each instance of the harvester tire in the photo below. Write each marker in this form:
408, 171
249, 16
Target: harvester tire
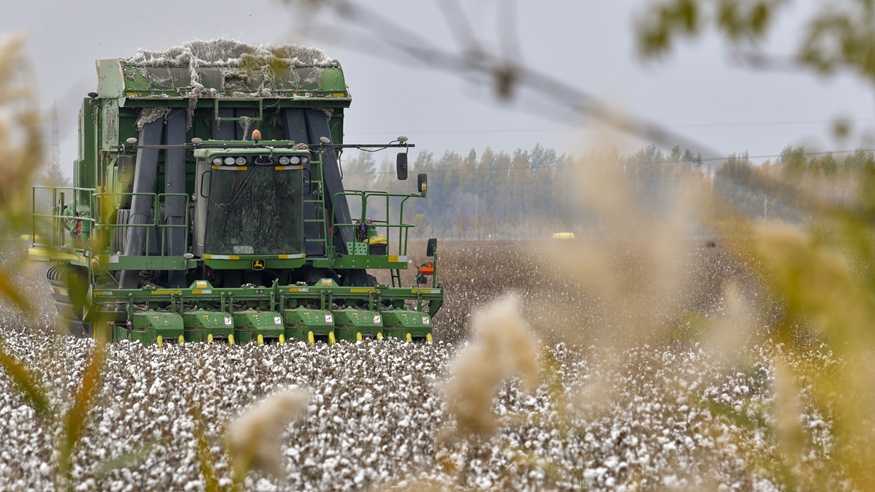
69, 303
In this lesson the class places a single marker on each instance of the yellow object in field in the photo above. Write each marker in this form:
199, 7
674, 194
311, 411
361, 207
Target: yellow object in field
282, 339
260, 339
160, 341
331, 339
231, 339
409, 337
210, 338
428, 338
563, 235
310, 339
358, 337
181, 339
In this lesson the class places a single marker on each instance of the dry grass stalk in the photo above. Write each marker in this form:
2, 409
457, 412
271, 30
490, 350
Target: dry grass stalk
255, 438
637, 289
503, 347
20, 146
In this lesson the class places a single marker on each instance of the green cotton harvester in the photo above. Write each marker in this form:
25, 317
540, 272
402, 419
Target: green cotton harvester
208, 205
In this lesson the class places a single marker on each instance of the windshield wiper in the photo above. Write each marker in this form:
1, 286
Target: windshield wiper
234, 199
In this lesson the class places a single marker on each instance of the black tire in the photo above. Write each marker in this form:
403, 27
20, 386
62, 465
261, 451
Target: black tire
69, 285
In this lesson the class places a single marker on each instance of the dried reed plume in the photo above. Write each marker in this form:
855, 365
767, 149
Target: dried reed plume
254, 439
20, 146
504, 347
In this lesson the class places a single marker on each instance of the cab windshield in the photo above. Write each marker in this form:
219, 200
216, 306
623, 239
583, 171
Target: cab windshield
255, 211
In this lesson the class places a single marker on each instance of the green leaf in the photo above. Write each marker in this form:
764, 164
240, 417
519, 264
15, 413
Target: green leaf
27, 384
125, 460
74, 420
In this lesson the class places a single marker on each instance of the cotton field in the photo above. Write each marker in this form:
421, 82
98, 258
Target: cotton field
667, 410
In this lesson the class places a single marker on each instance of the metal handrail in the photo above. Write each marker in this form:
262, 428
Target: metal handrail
94, 216
402, 227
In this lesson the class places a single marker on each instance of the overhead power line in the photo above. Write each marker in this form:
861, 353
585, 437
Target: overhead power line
571, 128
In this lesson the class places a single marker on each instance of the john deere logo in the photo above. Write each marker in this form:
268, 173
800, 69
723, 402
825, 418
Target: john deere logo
258, 264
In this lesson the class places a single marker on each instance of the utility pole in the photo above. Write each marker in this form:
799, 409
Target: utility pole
56, 139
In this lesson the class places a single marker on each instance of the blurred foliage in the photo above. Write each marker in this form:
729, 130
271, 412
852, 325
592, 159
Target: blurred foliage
739, 20
840, 36
20, 146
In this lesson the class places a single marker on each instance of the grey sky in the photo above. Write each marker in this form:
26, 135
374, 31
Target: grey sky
697, 91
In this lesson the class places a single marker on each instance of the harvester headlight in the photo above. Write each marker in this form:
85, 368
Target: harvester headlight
241, 161
295, 159
229, 161
284, 161
217, 161
305, 160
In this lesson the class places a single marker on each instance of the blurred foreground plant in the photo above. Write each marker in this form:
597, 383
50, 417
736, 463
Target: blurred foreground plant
68, 426
20, 146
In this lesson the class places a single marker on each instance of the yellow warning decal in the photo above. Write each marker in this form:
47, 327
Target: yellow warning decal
164, 292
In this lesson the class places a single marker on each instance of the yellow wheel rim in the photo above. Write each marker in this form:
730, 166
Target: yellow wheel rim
210, 338
282, 339
310, 339
379, 336
358, 337
260, 339
428, 338
181, 339
230, 339
331, 339
160, 341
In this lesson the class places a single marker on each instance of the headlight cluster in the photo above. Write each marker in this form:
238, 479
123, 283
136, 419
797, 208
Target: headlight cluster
286, 160
293, 160
229, 161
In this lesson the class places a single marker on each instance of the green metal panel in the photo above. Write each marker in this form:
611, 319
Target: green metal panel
84, 169
201, 323
400, 323
351, 322
300, 321
110, 126
110, 79
250, 323
148, 325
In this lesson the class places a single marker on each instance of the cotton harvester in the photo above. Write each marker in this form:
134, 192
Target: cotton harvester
208, 205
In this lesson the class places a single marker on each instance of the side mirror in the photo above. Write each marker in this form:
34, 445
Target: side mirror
422, 183
430, 247
401, 166
125, 169
205, 184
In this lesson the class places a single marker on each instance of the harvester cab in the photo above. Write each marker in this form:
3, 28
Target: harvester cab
208, 204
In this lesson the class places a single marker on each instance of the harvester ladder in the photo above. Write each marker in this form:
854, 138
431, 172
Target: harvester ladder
317, 187
396, 277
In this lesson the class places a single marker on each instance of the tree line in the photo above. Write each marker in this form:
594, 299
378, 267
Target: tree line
535, 193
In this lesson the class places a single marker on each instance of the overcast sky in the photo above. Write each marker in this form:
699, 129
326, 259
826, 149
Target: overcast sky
696, 92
